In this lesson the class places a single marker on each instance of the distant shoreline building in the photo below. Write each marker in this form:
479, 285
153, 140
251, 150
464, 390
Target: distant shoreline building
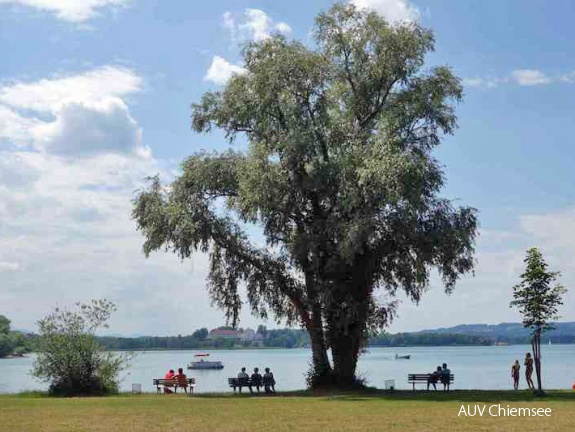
244, 335
223, 334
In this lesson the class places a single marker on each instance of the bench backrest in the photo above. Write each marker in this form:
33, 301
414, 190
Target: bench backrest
239, 381
176, 380
424, 377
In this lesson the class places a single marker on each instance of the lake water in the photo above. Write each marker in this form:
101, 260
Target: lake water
474, 367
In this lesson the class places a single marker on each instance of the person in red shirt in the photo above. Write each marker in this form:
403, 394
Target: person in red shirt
169, 376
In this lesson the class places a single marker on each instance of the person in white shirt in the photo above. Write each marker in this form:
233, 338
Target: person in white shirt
243, 376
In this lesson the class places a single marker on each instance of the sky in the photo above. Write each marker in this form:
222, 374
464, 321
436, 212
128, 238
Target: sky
95, 96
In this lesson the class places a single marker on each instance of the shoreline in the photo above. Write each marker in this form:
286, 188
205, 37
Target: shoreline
309, 348
14, 356
369, 392
139, 350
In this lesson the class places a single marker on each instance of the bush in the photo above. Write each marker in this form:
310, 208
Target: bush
6, 345
69, 355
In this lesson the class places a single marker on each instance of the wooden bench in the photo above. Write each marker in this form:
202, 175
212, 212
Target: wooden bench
174, 383
239, 383
422, 379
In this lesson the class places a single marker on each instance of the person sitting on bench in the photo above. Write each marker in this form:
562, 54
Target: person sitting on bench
269, 381
181, 379
257, 379
243, 376
434, 377
169, 375
445, 373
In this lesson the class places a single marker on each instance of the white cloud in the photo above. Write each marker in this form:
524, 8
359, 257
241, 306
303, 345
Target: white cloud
70, 10
569, 77
283, 28
88, 114
522, 77
65, 209
220, 71
254, 25
473, 82
15, 172
70, 234
393, 10
15, 128
529, 77
229, 23
49, 95
483, 82
85, 128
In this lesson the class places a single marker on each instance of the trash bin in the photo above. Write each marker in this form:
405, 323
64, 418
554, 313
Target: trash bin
389, 384
136, 388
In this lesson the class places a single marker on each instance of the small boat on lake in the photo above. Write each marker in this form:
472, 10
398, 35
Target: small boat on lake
205, 364
403, 357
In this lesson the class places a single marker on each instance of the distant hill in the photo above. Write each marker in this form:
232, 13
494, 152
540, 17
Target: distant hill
474, 334
564, 332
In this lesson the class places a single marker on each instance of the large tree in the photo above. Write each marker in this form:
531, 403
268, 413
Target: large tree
537, 297
339, 174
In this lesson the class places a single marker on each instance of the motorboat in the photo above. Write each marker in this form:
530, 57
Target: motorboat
201, 362
404, 357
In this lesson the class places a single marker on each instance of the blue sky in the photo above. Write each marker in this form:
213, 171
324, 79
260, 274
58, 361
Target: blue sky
96, 94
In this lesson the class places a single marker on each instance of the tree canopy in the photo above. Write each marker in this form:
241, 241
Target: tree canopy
339, 174
69, 356
13, 342
536, 296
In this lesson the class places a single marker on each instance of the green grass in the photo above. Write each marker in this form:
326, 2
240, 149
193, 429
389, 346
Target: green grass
292, 411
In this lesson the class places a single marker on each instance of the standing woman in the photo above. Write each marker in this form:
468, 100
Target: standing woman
515, 374
529, 370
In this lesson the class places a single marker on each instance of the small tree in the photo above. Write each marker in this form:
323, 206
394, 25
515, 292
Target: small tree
69, 356
537, 301
6, 342
4, 325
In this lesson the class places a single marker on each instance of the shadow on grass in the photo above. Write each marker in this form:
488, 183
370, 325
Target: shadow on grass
407, 395
464, 396
362, 396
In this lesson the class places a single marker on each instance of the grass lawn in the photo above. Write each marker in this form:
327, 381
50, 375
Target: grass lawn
419, 411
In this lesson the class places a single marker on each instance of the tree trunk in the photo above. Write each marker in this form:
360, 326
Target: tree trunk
321, 373
347, 326
536, 344
345, 350
319, 352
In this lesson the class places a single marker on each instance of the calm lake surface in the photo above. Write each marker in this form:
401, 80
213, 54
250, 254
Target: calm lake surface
474, 367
